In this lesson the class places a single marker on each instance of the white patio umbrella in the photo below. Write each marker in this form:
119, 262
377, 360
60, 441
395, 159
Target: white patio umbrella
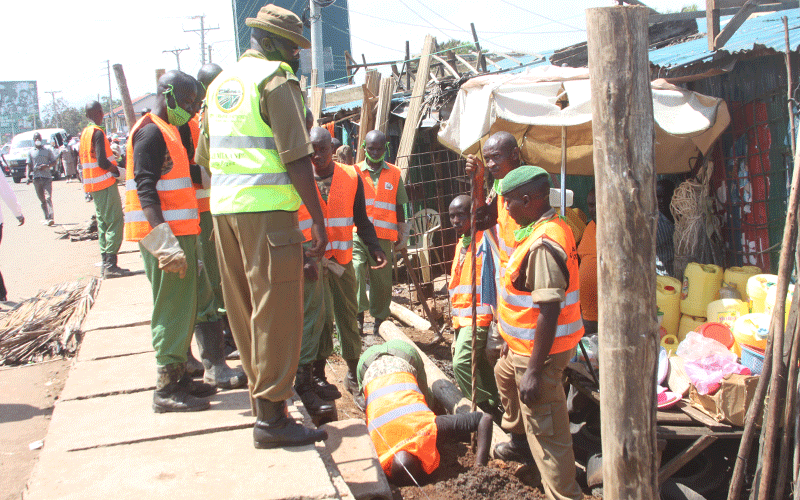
559, 139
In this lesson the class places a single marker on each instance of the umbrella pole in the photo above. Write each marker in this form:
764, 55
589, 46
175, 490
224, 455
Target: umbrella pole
563, 171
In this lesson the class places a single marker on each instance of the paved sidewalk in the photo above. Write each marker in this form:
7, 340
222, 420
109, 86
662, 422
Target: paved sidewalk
105, 441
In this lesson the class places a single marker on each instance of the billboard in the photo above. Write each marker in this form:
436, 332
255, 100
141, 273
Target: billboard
19, 108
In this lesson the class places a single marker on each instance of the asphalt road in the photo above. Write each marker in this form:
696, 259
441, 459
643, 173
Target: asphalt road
32, 257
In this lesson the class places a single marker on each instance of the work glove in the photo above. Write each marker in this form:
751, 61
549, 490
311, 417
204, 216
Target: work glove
165, 247
403, 230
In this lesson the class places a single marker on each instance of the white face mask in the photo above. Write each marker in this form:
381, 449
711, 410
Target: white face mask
37, 143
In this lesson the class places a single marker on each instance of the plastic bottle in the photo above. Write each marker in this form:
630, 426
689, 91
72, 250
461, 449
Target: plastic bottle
701, 284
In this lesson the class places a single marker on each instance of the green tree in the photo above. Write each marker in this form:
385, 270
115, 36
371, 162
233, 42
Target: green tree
457, 46
64, 116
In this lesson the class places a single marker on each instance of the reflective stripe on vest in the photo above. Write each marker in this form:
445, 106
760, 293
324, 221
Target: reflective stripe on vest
338, 214
399, 420
505, 232
460, 288
247, 174
518, 314
381, 199
175, 189
95, 178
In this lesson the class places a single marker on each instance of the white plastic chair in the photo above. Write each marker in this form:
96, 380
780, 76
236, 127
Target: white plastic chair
423, 224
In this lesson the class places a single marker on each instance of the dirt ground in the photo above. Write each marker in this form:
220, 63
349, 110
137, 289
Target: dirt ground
33, 259
456, 478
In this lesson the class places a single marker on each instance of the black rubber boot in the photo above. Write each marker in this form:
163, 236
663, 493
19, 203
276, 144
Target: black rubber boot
322, 387
170, 395
194, 368
211, 343
304, 387
516, 450
197, 388
274, 428
351, 384
111, 270
376, 326
231, 351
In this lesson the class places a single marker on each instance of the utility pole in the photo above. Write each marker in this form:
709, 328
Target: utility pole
209, 54
110, 102
202, 31
317, 58
55, 109
177, 53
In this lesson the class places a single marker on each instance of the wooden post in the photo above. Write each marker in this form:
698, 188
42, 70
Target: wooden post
388, 86
159, 73
415, 108
371, 87
481, 57
317, 95
127, 105
790, 84
408, 66
624, 168
712, 23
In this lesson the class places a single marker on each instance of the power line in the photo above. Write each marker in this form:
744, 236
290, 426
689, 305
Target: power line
177, 53
202, 32
541, 15
55, 108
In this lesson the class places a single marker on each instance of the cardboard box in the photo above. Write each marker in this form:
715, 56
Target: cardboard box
729, 404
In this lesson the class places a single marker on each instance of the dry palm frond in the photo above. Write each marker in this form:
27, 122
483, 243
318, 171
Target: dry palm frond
46, 325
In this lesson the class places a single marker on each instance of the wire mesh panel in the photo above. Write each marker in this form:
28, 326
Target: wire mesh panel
435, 176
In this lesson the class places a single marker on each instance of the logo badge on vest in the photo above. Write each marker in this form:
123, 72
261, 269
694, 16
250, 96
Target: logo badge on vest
230, 95
388, 186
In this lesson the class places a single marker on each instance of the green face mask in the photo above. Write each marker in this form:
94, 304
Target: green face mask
370, 158
175, 115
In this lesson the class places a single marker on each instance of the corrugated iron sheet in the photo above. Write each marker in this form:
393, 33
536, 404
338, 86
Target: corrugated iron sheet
763, 31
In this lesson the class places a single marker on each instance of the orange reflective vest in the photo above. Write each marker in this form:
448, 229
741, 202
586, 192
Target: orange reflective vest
202, 195
382, 199
398, 419
505, 232
178, 202
460, 288
338, 213
95, 178
517, 313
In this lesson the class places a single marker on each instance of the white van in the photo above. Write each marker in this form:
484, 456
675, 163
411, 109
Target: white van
17, 157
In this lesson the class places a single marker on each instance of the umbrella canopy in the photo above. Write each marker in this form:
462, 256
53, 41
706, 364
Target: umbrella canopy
536, 105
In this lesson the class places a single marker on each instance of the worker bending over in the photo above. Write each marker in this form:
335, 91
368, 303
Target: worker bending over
330, 284
405, 432
539, 317
460, 288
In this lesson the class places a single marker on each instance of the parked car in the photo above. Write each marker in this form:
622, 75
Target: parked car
22, 143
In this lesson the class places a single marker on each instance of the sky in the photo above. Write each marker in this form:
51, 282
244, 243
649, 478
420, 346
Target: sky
66, 48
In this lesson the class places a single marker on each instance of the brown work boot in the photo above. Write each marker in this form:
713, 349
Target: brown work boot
274, 428
170, 395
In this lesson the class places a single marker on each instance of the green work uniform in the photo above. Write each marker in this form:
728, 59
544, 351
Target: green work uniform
380, 280
486, 388
208, 255
110, 221
173, 320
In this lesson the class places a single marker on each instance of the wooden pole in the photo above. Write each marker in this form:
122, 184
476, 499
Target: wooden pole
159, 73
408, 66
127, 105
481, 57
778, 377
790, 84
791, 411
388, 85
624, 168
370, 90
415, 108
437, 335
408, 317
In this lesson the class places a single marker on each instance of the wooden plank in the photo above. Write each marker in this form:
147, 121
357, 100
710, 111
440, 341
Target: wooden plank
682, 16
447, 66
712, 22
704, 419
467, 64
415, 108
624, 168
684, 457
317, 97
388, 85
370, 91
736, 21
343, 96
640, 4
737, 4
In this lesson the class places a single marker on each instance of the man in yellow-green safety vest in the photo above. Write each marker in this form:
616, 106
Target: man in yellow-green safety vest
256, 147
